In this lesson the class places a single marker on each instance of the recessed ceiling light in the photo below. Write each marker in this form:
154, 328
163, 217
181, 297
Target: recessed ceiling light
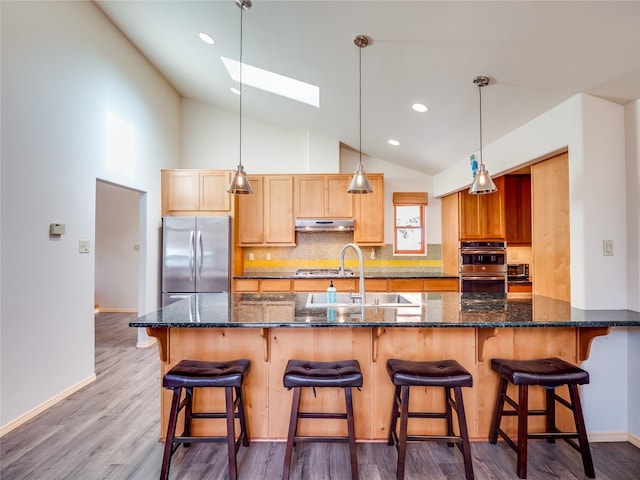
235, 90
393, 142
273, 82
206, 38
419, 107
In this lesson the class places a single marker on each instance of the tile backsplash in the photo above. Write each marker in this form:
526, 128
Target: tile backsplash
322, 250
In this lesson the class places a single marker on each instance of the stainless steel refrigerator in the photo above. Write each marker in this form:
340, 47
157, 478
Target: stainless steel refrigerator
196, 254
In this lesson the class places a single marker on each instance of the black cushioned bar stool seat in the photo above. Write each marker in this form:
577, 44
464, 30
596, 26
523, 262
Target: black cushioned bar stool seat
548, 373
344, 374
190, 374
446, 374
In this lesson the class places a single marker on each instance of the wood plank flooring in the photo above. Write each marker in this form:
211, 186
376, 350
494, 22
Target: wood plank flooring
109, 430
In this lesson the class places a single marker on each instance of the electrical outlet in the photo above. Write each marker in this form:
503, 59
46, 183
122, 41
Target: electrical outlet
268, 256
252, 256
84, 246
607, 248
373, 254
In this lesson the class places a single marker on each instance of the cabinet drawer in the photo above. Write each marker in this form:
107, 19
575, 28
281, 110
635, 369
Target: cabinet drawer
405, 285
246, 285
441, 285
519, 288
321, 284
275, 285
376, 285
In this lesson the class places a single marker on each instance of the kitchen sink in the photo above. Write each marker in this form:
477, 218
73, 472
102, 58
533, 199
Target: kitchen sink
372, 299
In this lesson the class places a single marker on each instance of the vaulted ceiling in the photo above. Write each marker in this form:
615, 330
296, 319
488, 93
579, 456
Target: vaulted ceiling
537, 54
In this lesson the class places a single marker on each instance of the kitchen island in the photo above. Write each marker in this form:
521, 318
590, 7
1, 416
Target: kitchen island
271, 328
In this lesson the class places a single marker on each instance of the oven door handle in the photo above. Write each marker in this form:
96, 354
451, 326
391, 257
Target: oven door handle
480, 277
483, 252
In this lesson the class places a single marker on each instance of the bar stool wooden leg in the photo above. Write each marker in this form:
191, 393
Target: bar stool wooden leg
293, 425
497, 411
551, 412
448, 414
583, 441
394, 417
402, 439
523, 432
171, 431
188, 410
351, 432
465, 446
231, 433
243, 421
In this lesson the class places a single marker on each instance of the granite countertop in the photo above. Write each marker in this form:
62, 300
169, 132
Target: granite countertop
448, 309
367, 274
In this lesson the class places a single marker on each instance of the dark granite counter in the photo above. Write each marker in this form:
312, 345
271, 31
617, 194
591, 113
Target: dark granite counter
368, 274
433, 310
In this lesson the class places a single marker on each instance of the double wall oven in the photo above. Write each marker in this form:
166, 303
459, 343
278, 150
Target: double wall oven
483, 267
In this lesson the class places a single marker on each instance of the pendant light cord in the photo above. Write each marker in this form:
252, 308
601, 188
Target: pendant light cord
240, 77
480, 95
360, 104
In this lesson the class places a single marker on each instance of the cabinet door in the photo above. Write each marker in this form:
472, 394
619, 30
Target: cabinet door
338, 202
494, 216
518, 209
369, 218
471, 216
309, 198
250, 214
213, 191
278, 210
182, 190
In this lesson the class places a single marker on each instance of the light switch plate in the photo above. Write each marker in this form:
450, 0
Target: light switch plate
84, 246
607, 248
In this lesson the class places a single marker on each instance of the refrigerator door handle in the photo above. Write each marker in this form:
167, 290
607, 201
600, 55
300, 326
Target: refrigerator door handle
191, 255
200, 254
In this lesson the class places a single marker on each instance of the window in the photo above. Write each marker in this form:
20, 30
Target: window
409, 219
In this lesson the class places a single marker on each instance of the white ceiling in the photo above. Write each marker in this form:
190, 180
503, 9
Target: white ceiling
537, 54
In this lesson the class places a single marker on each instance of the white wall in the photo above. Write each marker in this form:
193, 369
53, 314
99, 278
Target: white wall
64, 69
116, 256
632, 123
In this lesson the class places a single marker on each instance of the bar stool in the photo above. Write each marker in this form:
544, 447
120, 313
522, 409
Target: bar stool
344, 374
548, 373
449, 375
190, 374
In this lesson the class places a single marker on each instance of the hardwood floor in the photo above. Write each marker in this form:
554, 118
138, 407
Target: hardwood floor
109, 430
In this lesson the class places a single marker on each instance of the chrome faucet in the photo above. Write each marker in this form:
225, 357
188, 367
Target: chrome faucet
360, 294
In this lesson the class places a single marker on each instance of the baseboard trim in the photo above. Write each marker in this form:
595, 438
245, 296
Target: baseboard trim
116, 310
22, 419
603, 437
149, 343
634, 440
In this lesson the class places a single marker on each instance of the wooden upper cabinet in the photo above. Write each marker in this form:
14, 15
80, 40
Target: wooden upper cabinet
250, 214
193, 191
482, 217
322, 196
369, 213
518, 209
278, 210
266, 216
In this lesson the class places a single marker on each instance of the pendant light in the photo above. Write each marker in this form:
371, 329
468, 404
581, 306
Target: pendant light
482, 183
360, 183
240, 183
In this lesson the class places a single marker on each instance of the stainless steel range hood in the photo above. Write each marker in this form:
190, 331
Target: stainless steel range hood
324, 225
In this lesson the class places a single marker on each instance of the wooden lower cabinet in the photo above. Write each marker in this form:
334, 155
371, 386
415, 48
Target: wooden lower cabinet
346, 284
262, 285
268, 403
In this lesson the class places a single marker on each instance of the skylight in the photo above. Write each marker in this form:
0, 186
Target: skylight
273, 82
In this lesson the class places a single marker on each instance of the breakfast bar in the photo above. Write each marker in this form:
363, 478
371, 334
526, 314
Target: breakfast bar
271, 328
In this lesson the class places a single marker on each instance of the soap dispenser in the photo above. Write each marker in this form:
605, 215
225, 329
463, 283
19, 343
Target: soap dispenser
331, 293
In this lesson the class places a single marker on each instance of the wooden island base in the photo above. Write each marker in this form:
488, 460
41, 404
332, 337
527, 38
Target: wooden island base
268, 402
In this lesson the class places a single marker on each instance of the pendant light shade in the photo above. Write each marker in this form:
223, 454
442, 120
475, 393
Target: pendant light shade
360, 183
240, 183
482, 183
